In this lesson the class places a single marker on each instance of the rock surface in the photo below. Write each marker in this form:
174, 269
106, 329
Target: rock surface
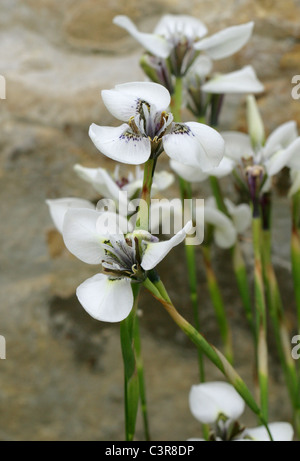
62, 379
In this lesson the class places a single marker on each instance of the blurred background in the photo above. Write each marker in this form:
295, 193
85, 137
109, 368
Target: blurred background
62, 379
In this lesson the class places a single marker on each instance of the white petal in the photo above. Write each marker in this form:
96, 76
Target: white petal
59, 207
117, 144
286, 157
155, 44
209, 400
237, 145
104, 299
241, 215
224, 232
84, 230
281, 138
240, 81
195, 144
100, 179
225, 168
295, 179
155, 252
281, 432
201, 67
162, 180
123, 101
293, 152
177, 26
226, 42
187, 172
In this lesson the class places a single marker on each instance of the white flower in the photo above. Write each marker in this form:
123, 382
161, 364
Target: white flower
180, 38
110, 185
196, 174
58, 208
295, 180
240, 81
280, 431
225, 229
210, 401
279, 150
125, 257
150, 129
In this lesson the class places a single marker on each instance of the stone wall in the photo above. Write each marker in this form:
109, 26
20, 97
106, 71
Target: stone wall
62, 379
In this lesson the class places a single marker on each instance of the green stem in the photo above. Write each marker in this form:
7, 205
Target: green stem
190, 252
214, 355
217, 193
241, 276
295, 251
141, 379
238, 260
218, 304
278, 319
262, 349
131, 382
142, 221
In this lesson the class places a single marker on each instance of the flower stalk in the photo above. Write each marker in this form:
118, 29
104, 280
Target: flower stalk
260, 308
131, 379
158, 290
218, 303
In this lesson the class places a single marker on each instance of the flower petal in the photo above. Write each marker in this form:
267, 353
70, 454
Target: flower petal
59, 207
100, 297
295, 179
84, 230
201, 67
124, 100
155, 252
120, 144
226, 42
286, 157
155, 44
208, 400
240, 81
224, 232
162, 180
241, 215
187, 172
281, 138
281, 432
194, 144
237, 145
100, 179
174, 26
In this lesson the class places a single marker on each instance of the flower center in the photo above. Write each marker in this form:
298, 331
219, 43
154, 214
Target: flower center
122, 258
150, 123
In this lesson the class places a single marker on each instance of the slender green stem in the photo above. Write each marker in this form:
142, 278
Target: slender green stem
275, 305
295, 251
142, 221
241, 276
262, 349
238, 259
141, 378
217, 193
131, 382
190, 252
158, 290
218, 303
